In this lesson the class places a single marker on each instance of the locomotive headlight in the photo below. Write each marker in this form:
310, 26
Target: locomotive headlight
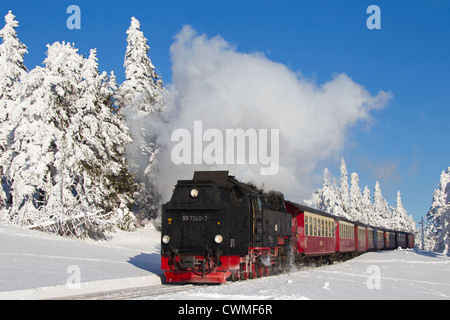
218, 239
194, 193
166, 239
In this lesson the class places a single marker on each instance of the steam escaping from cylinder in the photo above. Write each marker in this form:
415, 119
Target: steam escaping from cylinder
265, 261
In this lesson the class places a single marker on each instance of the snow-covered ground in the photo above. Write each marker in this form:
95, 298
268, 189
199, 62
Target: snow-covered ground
35, 265
399, 274
39, 265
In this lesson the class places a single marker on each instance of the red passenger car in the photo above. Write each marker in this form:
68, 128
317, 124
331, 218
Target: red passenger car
410, 240
345, 236
313, 231
371, 237
389, 238
361, 236
380, 239
400, 238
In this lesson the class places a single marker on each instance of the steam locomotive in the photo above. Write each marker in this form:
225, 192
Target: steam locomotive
215, 228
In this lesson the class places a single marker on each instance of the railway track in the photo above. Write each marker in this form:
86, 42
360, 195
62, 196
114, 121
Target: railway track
142, 293
132, 293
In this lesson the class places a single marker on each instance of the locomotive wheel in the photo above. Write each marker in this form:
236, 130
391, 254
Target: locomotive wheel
242, 274
319, 262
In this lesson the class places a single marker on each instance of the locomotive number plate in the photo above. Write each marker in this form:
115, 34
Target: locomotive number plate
189, 218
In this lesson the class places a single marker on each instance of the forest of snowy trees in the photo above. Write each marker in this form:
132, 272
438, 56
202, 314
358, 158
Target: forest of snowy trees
347, 201
79, 152
64, 137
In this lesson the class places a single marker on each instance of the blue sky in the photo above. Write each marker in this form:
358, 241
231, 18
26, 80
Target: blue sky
405, 148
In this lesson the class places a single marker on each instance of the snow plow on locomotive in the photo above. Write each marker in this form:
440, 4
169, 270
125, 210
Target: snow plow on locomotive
215, 228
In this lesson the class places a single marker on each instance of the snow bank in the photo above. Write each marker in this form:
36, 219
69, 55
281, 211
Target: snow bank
35, 265
83, 288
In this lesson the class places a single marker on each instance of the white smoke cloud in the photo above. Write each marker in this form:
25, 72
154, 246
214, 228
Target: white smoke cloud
227, 89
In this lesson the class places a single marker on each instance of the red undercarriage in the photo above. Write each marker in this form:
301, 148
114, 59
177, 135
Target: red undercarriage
201, 269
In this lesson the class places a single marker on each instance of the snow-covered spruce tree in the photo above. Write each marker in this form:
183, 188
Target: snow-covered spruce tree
109, 137
367, 208
97, 137
47, 105
329, 198
12, 69
400, 218
397, 213
142, 87
68, 171
343, 191
438, 217
381, 211
141, 99
356, 211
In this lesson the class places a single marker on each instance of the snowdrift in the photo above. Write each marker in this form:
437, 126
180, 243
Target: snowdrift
35, 265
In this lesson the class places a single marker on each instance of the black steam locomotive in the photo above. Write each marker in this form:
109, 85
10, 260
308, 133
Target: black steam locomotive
216, 228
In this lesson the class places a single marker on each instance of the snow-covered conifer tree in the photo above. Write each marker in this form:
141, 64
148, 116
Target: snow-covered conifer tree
317, 200
12, 52
12, 69
356, 200
142, 88
398, 214
141, 99
367, 208
381, 209
69, 173
328, 195
344, 190
438, 216
99, 137
401, 220
40, 146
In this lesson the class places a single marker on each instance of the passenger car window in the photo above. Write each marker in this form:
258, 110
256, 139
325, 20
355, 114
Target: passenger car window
306, 226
